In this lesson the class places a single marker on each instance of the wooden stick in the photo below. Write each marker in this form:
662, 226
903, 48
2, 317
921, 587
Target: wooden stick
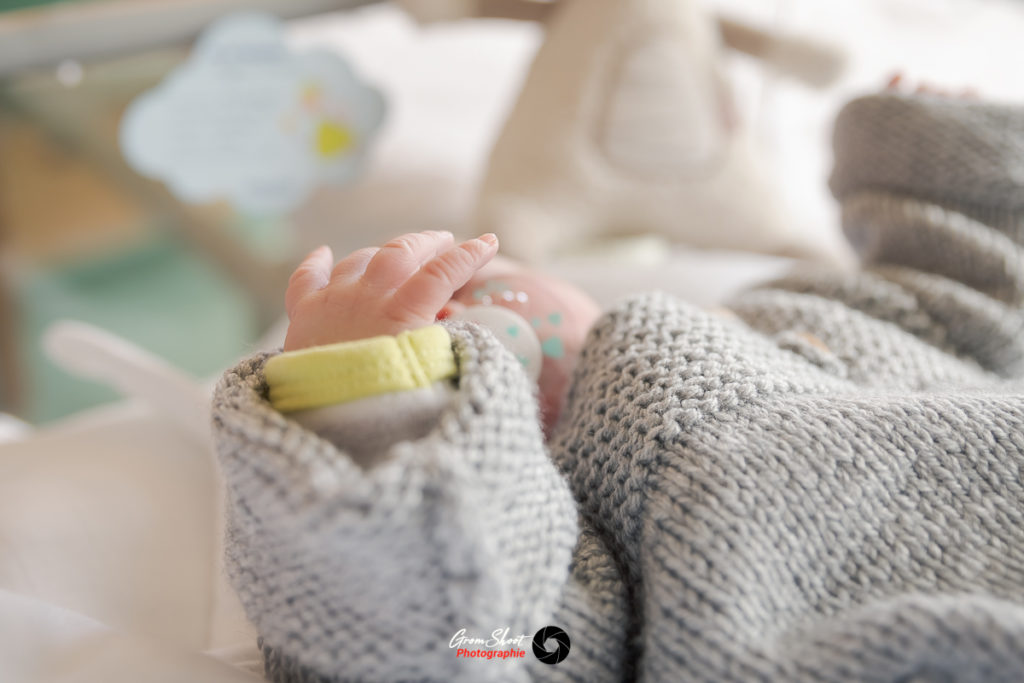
46, 36
516, 9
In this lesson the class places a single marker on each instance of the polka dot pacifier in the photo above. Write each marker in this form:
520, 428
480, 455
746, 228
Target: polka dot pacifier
542, 320
512, 330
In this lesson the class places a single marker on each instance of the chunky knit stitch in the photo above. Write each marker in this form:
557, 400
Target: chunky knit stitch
826, 488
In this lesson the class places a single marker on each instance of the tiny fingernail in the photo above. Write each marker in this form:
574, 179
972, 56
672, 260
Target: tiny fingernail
490, 238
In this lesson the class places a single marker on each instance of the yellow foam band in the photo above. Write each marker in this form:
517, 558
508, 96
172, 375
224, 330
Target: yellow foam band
326, 375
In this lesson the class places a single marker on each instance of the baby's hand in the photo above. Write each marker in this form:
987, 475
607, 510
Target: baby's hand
379, 290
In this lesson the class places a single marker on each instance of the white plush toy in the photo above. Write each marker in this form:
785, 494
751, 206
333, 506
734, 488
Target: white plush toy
626, 125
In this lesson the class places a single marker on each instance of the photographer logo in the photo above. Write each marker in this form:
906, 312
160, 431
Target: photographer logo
550, 645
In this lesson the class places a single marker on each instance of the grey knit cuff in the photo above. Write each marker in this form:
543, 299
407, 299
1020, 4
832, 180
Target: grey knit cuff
953, 152
279, 668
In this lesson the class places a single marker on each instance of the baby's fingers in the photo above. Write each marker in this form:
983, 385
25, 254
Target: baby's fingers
403, 256
429, 290
312, 275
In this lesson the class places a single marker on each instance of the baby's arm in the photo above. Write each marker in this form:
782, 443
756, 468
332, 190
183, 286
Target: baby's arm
367, 573
379, 290
389, 296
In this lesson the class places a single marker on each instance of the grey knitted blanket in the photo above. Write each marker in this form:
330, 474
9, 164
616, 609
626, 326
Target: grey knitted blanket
826, 487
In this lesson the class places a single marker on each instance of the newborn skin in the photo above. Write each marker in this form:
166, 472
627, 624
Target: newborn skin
413, 280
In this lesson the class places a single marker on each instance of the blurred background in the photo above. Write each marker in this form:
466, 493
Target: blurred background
85, 236
115, 212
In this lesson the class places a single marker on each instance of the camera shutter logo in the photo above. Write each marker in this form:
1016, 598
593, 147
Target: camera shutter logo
561, 639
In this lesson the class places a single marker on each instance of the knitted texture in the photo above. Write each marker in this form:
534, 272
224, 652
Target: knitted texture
371, 572
825, 488
940, 149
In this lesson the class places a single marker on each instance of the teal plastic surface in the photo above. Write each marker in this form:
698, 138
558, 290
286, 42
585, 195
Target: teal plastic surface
6, 5
161, 297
